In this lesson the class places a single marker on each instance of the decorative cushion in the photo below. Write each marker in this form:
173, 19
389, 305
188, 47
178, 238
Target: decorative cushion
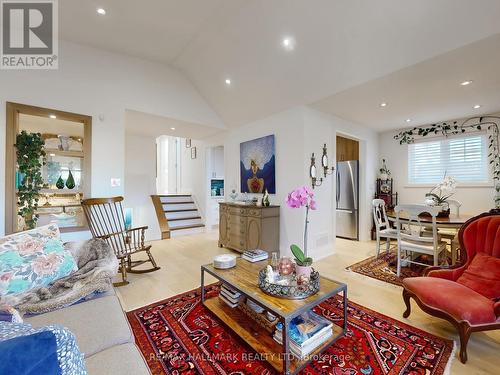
33, 258
457, 300
483, 276
47, 350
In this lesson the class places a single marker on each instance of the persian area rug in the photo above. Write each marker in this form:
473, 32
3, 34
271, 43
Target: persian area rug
384, 268
180, 336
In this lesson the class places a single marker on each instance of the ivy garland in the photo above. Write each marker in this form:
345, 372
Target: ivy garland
473, 124
30, 158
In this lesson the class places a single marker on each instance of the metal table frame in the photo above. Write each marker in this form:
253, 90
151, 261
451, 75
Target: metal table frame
285, 319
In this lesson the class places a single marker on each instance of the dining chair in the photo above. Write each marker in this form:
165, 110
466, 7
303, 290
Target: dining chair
107, 222
451, 234
382, 226
414, 239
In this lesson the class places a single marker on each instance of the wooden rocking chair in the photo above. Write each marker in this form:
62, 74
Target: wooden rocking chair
107, 222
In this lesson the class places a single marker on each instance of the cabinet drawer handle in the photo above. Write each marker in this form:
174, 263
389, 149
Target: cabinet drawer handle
241, 243
242, 231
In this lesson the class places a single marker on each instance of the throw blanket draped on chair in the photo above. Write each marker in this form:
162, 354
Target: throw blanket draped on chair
97, 265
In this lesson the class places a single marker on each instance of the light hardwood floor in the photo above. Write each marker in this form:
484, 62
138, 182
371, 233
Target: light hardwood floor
181, 257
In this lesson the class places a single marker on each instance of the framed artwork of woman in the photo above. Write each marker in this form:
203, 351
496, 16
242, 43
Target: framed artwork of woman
257, 165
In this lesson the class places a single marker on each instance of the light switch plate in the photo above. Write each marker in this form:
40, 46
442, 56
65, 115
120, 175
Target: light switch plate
115, 182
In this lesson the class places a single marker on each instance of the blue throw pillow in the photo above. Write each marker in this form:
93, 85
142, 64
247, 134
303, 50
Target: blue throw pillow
24, 351
30, 355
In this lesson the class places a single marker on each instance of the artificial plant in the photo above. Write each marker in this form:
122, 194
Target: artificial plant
302, 197
473, 124
30, 158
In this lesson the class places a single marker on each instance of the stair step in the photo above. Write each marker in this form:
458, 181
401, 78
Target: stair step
174, 195
181, 210
180, 227
185, 218
180, 202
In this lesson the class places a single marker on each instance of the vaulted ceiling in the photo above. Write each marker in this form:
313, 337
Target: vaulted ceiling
349, 55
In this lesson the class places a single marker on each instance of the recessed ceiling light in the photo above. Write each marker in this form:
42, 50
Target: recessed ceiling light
383, 104
172, 128
101, 11
288, 43
52, 116
408, 120
228, 81
477, 106
466, 83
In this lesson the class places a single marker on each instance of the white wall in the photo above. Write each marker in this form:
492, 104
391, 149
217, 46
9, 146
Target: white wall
322, 128
140, 182
193, 173
299, 132
95, 82
474, 199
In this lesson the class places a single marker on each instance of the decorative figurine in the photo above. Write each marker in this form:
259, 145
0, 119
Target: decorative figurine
302, 279
269, 274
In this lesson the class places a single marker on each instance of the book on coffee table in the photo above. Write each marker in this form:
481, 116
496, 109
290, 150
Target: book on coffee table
255, 255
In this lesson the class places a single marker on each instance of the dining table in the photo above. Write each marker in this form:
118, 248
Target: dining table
453, 222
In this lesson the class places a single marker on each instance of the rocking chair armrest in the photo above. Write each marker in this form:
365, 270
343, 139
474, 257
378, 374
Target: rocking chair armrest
135, 236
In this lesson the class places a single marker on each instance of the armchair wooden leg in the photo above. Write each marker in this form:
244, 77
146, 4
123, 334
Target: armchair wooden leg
406, 298
464, 332
378, 245
123, 270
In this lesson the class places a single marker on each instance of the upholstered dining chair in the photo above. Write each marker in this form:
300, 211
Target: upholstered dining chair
382, 227
466, 295
415, 239
107, 221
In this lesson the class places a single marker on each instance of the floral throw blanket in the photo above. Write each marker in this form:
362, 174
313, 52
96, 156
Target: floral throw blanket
96, 266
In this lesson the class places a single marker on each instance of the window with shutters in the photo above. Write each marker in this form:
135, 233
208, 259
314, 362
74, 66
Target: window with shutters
464, 158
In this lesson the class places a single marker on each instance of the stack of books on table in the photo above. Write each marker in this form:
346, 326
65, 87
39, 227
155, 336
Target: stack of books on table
306, 333
255, 255
230, 296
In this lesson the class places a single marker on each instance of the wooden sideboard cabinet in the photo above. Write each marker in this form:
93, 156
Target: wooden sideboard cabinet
245, 227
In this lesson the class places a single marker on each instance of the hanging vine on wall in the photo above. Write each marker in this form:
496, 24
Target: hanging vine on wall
30, 158
474, 124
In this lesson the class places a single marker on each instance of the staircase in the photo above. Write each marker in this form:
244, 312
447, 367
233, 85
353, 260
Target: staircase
177, 213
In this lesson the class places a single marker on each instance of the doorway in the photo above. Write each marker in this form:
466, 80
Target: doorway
168, 167
347, 188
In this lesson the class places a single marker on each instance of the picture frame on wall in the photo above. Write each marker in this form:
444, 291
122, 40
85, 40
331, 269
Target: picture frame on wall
193, 152
257, 165
188, 142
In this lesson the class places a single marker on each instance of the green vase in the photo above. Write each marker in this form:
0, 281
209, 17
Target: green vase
70, 182
60, 183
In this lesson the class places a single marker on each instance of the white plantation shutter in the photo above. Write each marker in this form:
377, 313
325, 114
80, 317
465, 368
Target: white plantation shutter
464, 158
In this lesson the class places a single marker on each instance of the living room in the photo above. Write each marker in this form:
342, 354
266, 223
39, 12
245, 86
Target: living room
330, 154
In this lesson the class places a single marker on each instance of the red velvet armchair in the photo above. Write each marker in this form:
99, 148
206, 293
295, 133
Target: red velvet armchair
468, 296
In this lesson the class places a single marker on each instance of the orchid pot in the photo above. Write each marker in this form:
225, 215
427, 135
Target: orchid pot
303, 271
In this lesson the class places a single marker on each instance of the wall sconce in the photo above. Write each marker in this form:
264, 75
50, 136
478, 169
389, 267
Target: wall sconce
313, 173
324, 163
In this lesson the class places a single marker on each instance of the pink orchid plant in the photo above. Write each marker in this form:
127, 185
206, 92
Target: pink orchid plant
302, 197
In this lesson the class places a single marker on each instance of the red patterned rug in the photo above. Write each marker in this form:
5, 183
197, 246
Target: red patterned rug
180, 336
384, 268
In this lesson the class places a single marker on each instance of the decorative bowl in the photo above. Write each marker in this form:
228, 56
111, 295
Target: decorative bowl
292, 290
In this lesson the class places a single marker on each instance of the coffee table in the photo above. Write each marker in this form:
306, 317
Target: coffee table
243, 277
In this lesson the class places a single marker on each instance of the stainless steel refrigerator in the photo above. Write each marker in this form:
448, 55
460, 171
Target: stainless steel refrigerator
347, 216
